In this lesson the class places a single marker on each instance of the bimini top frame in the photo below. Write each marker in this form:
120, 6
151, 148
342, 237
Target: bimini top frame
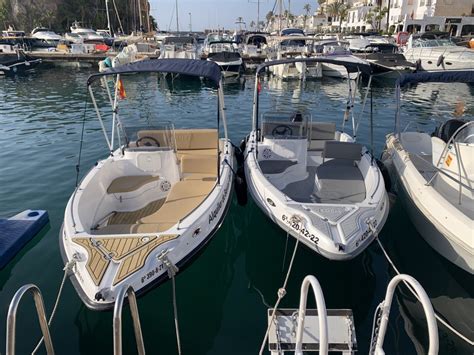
190, 67
352, 65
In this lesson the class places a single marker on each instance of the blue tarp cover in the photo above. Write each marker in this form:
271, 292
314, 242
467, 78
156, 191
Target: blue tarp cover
193, 67
446, 76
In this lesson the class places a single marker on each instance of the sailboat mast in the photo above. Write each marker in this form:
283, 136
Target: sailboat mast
108, 16
258, 15
279, 17
140, 14
177, 20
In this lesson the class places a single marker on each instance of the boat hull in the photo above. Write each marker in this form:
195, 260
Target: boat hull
423, 205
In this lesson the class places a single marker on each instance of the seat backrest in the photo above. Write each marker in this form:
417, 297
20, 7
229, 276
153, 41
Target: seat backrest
342, 150
323, 130
196, 139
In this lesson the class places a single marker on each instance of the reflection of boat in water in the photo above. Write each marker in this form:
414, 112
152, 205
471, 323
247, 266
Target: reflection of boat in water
450, 289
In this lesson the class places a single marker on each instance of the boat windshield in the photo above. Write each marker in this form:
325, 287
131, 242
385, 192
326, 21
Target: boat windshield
433, 43
285, 125
466, 134
157, 137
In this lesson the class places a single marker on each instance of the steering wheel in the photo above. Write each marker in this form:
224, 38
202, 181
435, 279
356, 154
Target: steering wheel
282, 130
147, 144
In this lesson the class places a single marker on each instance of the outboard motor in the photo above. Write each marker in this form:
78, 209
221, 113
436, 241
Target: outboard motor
448, 128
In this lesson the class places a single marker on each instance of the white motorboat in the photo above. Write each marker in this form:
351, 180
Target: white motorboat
294, 46
338, 50
154, 202
254, 49
434, 174
46, 34
316, 183
88, 35
179, 47
224, 54
431, 53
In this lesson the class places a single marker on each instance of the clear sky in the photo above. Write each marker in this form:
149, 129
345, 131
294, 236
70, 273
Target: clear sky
211, 13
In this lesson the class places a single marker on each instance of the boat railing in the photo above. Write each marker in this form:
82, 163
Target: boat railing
310, 280
11, 318
379, 331
132, 300
461, 171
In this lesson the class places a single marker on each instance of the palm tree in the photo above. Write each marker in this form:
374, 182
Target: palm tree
338, 9
321, 3
269, 16
307, 10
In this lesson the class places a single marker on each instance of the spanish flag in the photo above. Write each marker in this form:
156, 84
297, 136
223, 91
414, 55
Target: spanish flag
121, 90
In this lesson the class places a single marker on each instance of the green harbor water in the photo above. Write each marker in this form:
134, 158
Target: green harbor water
222, 296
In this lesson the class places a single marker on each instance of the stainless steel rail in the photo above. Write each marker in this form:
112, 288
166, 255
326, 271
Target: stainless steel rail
11, 318
132, 300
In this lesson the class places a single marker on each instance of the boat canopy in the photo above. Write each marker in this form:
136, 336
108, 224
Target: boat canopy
192, 67
353, 65
447, 76
179, 40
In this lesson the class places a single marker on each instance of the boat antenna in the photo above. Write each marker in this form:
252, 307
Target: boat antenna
108, 17
177, 20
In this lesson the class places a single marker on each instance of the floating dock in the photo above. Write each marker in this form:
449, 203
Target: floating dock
18, 230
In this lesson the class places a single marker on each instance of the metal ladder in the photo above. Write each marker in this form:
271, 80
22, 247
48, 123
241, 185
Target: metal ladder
379, 336
132, 300
311, 330
11, 318
40, 310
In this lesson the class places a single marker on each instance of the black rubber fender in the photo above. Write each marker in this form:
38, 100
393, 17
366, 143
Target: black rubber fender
240, 186
385, 174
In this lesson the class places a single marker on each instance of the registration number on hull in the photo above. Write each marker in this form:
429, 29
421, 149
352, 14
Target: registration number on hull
295, 224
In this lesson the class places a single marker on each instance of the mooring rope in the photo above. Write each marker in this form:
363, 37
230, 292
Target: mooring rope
172, 269
437, 316
66, 269
281, 293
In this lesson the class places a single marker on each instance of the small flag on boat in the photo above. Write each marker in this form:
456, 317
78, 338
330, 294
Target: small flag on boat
259, 86
121, 89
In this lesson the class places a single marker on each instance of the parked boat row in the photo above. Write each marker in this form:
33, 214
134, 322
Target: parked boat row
163, 191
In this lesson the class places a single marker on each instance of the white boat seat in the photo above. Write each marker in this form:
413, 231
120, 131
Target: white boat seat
275, 166
342, 150
320, 133
130, 183
339, 181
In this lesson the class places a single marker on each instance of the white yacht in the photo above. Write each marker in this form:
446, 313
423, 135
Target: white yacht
225, 54
294, 46
314, 181
46, 34
431, 53
155, 201
434, 174
179, 47
87, 34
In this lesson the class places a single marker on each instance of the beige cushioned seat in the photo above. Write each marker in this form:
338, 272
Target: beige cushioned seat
130, 183
182, 199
